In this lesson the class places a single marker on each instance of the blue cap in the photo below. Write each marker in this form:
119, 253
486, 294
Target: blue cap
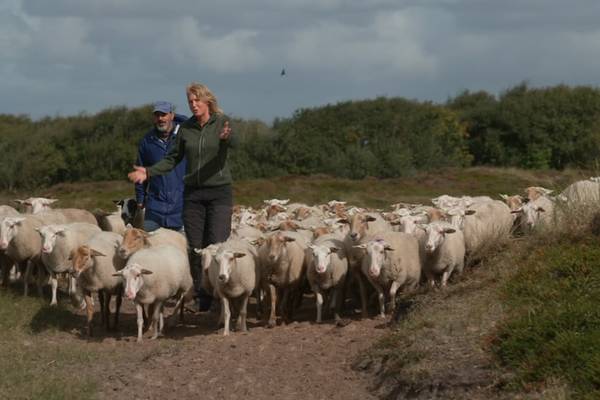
164, 107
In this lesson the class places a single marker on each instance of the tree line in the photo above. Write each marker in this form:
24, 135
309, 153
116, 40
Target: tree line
553, 127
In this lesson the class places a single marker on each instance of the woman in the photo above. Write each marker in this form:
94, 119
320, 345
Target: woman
204, 140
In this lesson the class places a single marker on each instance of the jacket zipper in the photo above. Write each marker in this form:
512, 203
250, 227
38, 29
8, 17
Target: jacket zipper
200, 145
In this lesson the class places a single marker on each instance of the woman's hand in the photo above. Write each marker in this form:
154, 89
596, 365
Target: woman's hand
138, 175
225, 132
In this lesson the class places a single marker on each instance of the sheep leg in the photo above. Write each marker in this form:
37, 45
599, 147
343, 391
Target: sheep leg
445, 277
140, 320
319, 302
336, 303
393, 289
178, 306
161, 320
118, 302
101, 299
363, 295
41, 278
285, 306
226, 314
7, 266
89, 308
273, 297
27, 278
244, 312
54, 284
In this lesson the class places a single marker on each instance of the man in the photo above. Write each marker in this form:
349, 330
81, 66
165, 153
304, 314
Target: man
161, 196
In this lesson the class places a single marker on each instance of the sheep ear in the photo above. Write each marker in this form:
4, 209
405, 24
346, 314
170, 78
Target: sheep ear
504, 196
197, 250
470, 212
388, 247
540, 209
239, 254
288, 239
144, 271
118, 273
334, 249
449, 230
517, 211
360, 246
96, 253
371, 218
396, 222
343, 221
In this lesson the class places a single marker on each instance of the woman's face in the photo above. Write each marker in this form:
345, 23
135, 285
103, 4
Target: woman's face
198, 107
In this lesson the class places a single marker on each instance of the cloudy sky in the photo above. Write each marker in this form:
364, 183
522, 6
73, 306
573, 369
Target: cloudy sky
63, 57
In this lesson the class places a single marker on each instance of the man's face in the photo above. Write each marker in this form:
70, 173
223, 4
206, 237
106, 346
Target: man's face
163, 122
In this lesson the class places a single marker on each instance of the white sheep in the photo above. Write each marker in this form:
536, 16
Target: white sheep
135, 239
445, 252
6, 264
110, 222
391, 262
282, 262
93, 265
582, 193
58, 241
536, 214
490, 224
22, 244
362, 225
234, 274
326, 270
152, 276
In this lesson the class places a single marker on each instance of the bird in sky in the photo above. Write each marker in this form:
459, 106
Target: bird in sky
283, 72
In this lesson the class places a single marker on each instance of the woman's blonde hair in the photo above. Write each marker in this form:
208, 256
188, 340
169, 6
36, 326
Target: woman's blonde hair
203, 93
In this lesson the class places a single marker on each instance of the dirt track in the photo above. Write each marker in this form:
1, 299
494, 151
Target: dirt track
302, 360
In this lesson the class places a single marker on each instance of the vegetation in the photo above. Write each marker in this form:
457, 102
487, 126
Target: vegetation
553, 328
556, 127
33, 367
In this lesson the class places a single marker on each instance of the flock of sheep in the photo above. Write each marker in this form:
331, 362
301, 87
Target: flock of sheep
275, 253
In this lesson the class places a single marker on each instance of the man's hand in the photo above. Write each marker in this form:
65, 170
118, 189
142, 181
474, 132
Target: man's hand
138, 175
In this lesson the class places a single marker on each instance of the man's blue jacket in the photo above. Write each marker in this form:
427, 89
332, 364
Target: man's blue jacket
161, 195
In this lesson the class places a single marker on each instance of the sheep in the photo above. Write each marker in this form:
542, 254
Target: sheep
536, 214
237, 274
23, 245
535, 192
489, 225
445, 252
582, 193
57, 243
282, 261
391, 262
361, 225
152, 276
6, 263
326, 270
135, 239
93, 265
110, 222
37, 205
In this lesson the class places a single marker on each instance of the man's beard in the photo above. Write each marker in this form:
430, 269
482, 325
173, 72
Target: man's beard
162, 128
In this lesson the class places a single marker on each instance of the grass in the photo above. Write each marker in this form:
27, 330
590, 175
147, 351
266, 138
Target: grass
32, 366
553, 326
370, 192
522, 321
